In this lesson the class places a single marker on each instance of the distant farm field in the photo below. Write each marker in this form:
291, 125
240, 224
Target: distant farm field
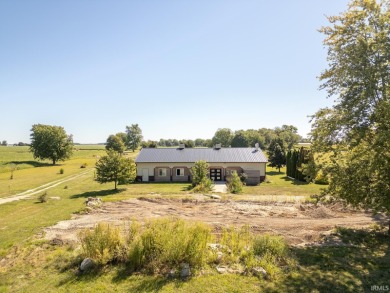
19, 171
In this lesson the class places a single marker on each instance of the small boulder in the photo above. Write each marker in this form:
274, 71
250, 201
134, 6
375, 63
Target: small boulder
222, 270
55, 197
86, 264
302, 208
215, 246
185, 270
219, 256
93, 201
259, 271
172, 274
57, 241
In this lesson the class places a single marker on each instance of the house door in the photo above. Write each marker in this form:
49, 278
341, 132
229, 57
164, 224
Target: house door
145, 175
216, 174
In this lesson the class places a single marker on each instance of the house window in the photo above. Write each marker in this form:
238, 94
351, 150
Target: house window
180, 172
162, 172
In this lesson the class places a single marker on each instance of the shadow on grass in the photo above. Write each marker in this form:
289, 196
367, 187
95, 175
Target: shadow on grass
31, 163
142, 282
73, 276
343, 268
186, 185
274, 173
104, 192
294, 181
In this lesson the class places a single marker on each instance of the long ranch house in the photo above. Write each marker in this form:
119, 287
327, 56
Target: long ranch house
173, 164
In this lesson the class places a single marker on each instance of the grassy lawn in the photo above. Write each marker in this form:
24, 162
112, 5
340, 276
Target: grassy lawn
280, 184
32, 173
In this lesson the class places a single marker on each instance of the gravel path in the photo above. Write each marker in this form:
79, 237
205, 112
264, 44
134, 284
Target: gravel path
30, 192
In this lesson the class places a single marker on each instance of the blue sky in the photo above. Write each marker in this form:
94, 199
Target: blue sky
180, 69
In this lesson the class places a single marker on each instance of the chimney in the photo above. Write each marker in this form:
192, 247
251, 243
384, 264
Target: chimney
182, 146
257, 146
218, 146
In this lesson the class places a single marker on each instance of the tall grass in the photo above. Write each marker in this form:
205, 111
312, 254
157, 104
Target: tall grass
167, 243
103, 244
162, 245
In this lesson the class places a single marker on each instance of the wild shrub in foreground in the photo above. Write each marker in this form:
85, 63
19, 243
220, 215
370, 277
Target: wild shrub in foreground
236, 243
103, 244
166, 243
273, 245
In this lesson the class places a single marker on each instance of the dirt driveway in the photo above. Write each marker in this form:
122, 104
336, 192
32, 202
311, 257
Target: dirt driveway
298, 223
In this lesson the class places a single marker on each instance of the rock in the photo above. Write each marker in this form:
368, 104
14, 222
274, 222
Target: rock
238, 271
222, 270
86, 264
55, 197
93, 201
259, 271
219, 256
57, 241
215, 246
185, 270
172, 274
302, 208
214, 196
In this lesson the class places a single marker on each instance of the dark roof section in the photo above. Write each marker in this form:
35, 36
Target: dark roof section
191, 155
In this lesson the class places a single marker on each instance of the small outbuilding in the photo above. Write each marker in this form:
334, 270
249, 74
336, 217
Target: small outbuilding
174, 164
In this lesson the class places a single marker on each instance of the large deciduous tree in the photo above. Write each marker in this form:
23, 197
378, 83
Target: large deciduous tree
289, 135
277, 153
115, 168
134, 136
240, 139
356, 130
115, 143
50, 142
223, 136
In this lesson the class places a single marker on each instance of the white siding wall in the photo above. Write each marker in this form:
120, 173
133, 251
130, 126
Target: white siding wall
245, 166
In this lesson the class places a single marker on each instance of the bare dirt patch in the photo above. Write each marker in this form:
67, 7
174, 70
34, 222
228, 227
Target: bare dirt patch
298, 223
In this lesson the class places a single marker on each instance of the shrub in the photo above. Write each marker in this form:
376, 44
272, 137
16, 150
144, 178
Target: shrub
243, 178
321, 178
234, 184
103, 244
269, 245
199, 172
165, 244
62, 171
236, 243
43, 197
203, 187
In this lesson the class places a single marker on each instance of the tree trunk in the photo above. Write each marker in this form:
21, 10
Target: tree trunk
388, 231
115, 184
54, 161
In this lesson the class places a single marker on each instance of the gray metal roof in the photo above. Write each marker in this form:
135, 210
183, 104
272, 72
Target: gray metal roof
191, 155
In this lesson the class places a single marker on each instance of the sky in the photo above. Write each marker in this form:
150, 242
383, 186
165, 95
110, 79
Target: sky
179, 69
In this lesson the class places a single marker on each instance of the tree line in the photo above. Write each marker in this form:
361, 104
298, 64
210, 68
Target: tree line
288, 134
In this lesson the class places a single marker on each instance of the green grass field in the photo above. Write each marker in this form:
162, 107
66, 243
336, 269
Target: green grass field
35, 266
